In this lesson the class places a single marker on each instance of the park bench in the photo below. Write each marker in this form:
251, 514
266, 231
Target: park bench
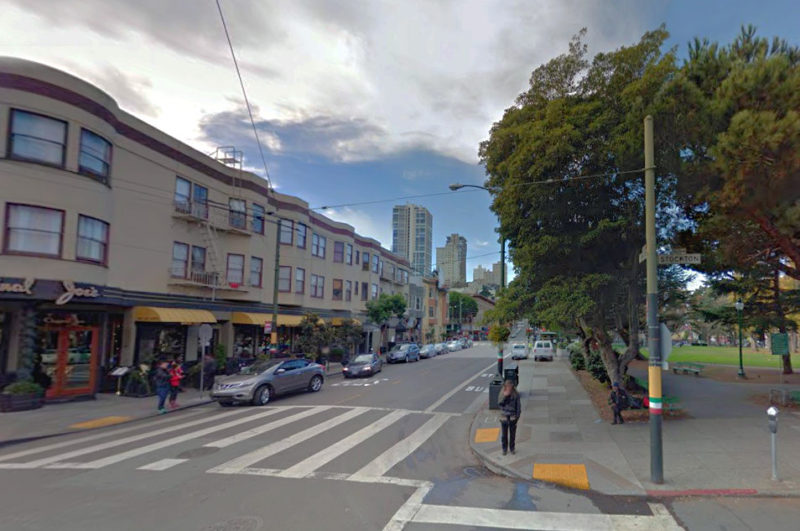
687, 368
671, 404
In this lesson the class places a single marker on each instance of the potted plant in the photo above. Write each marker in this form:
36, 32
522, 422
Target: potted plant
20, 396
138, 384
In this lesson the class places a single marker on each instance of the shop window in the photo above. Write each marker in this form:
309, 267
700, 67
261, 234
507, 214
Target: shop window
33, 230
37, 138
180, 260
302, 234
235, 272
92, 240
256, 268
95, 156
285, 279
337, 289
299, 280
258, 219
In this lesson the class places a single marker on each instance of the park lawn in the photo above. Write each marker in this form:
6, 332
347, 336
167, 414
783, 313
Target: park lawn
726, 356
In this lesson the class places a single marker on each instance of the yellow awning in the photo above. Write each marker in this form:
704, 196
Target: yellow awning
154, 314
338, 321
247, 318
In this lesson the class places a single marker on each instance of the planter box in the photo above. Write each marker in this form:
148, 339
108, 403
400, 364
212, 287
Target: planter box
22, 402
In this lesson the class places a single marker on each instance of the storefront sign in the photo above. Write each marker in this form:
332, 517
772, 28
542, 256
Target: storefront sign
69, 319
23, 287
70, 291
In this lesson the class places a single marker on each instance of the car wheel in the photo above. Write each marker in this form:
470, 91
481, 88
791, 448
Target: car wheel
315, 384
263, 395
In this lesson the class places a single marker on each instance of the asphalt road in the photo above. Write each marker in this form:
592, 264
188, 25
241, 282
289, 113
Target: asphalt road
386, 452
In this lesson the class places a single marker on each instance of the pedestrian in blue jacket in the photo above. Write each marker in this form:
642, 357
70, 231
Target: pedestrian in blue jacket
161, 379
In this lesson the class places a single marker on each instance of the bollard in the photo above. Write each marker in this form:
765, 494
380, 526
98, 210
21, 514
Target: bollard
772, 418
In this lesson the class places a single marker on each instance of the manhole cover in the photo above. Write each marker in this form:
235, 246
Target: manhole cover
245, 523
197, 452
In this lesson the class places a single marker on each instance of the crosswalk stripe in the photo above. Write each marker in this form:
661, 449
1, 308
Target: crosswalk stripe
116, 458
118, 442
163, 464
102, 435
251, 458
402, 449
318, 460
258, 430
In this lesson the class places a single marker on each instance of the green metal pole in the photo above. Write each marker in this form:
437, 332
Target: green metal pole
653, 346
741, 364
502, 262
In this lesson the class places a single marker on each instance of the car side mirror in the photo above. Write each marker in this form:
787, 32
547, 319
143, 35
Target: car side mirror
280, 371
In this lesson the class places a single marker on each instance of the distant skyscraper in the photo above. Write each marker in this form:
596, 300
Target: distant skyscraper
451, 261
412, 236
487, 276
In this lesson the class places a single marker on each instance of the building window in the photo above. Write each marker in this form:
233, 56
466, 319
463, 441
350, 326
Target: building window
198, 259
348, 254
286, 231
365, 262
356, 287
374, 291
430, 293
357, 256
256, 268
338, 252
37, 138
405, 277
235, 273
285, 279
95, 156
430, 311
317, 286
180, 260
364, 291
299, 280
302, 233
200, 202
348, 290
92, 240
318, 245
183, 195
237, 216
34, 230
337, 289
376, 263
418, 303
258, 219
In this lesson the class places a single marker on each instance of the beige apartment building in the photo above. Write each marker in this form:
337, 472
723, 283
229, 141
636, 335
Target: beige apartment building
117, 241
435, 311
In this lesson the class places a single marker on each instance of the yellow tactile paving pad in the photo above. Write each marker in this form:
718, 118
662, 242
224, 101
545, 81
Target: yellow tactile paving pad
99, 423
485, 435
573, 476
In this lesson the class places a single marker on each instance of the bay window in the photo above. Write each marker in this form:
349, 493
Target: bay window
37, 138
34, 230
92, 240
95, 156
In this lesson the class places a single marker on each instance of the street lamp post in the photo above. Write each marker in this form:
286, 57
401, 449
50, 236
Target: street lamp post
739, 307
459, 186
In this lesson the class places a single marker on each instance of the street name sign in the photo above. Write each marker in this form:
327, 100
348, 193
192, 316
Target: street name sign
681, 259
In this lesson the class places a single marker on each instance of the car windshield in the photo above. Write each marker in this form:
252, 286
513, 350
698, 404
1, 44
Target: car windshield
259, 367
363, 358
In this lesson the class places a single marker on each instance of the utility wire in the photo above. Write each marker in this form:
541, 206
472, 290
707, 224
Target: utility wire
244, 93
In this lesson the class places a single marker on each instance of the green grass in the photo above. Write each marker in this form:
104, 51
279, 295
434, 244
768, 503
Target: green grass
726, 356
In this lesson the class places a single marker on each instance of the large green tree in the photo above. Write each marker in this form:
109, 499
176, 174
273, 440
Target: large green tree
462, 307
386, 306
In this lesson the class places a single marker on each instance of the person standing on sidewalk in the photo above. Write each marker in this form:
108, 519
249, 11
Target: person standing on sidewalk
618, 400
161, 379
510, 409
175, 377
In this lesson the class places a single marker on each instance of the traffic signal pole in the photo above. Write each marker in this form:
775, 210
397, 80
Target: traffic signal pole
653, 346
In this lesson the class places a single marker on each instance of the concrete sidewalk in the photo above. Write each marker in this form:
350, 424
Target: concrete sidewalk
561, 439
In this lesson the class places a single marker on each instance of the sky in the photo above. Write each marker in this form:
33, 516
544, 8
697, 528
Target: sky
354, 102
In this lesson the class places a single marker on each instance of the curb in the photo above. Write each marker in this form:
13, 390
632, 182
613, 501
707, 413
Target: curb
489, 463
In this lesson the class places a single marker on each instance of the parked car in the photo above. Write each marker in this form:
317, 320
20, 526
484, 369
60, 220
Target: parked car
363, 365
427, 351
405, 352
262, 381
453, 346
441, 348
519, 351
543, 351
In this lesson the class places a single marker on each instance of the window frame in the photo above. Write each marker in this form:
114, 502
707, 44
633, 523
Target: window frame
365, 291
104, 261
374, 292
228, 269
260, 261
338, 252
175, 244
302, 280
192, 260
255, 207
348, 290
282, 230
376, 263
340, 296
358, 255
317, 286
281, 269
348, 253
87, 171
304, 233
319, 248
237, 214
10, 141
7, 232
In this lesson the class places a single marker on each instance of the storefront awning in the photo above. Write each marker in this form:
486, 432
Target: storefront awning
259, 319
154, 314
338, 321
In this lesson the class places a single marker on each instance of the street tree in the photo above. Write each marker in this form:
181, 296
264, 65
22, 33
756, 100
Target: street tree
462, 307
348, 333
386, 306
313, 334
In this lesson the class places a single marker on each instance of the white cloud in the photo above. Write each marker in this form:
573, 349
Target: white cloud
480, 243
363, 223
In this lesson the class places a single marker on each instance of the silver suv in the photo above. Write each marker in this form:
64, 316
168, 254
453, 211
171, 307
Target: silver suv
264, 380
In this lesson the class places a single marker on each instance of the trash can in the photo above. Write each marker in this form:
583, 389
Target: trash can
494, 391
511, 372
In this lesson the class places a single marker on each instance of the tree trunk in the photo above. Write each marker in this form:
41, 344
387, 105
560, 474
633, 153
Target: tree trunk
776, 287
609, 355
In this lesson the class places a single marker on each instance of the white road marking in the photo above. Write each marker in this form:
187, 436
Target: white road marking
162, 464
408, 510
470, 388
119, 442
251, 458
101, 435
457, 388
402, 449
318, 460
264, 428
537, 520
135, 452
479, 389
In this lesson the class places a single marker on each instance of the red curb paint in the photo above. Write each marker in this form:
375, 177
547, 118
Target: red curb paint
702, 492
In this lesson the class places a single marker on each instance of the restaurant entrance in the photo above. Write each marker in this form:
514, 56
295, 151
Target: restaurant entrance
68, 353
